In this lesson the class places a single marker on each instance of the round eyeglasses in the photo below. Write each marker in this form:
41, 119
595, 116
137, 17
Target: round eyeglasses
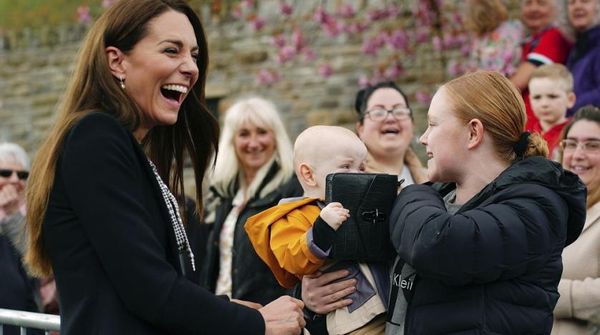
379, 114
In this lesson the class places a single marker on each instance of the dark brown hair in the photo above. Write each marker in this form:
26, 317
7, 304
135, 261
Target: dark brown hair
93, 88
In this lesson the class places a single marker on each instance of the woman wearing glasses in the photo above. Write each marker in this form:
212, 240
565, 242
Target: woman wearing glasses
578, 308
386, 126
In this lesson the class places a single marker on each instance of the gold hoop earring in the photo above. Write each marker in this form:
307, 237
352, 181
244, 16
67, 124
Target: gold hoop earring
122, 82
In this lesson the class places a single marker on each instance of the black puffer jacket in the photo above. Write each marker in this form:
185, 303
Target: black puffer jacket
494, 266
251, 279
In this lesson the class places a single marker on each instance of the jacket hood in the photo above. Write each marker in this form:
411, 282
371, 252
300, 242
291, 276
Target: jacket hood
550, 174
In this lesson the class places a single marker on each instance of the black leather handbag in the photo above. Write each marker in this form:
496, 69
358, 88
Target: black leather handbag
369, 198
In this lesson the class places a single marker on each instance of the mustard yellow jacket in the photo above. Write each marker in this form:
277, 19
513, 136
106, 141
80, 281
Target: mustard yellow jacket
279, 237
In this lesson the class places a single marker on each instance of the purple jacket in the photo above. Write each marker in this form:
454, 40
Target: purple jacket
584, 63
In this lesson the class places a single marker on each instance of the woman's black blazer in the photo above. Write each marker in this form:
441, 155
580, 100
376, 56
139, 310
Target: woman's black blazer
112, 247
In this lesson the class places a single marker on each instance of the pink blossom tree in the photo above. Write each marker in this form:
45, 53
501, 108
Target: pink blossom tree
389, 33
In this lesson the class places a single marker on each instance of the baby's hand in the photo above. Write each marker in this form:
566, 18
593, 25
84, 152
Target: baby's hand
334, 214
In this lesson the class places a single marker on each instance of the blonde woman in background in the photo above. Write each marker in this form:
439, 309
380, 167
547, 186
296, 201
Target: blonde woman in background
253, 171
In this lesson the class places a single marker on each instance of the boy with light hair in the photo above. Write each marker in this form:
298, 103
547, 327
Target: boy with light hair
295, 238
551, 95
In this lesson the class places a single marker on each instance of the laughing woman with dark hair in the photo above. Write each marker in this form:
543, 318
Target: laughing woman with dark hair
102, 202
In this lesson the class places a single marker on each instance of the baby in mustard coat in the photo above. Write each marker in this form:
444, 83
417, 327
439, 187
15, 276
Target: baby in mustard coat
295, 237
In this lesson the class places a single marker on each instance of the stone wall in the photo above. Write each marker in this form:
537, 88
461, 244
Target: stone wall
35, 65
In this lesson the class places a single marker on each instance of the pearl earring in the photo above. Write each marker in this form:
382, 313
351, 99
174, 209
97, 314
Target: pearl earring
122, 82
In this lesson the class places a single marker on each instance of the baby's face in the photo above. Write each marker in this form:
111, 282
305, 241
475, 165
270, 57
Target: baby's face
344, 157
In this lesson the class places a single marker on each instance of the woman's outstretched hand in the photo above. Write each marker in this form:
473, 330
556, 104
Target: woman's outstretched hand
283, 316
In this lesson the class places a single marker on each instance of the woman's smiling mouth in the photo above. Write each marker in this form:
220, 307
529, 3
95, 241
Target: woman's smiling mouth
174, 92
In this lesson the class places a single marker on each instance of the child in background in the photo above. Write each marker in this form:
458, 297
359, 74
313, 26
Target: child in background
551, 95
295, 237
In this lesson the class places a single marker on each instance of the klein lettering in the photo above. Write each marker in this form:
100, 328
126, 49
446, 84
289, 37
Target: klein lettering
405, 284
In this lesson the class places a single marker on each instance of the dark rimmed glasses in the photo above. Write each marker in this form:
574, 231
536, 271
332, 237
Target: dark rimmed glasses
379, 114
7, 173
588, 146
